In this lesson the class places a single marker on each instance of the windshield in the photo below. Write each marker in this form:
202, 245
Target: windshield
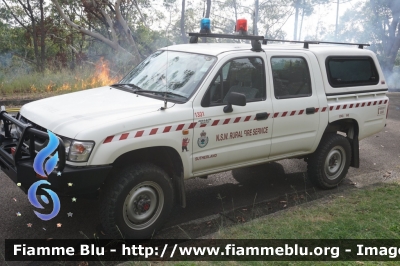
175, 72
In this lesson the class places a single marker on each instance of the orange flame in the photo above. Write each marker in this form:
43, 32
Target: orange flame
101, 78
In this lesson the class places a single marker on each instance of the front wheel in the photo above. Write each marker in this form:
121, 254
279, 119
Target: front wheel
329, 164
136, 202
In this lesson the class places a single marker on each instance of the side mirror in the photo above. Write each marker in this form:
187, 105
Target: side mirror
235, 98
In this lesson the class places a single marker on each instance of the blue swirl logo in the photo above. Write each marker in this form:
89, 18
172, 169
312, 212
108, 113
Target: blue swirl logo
33, 200
44, 153
44, 168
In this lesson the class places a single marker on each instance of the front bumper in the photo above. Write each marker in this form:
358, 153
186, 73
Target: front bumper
16, 161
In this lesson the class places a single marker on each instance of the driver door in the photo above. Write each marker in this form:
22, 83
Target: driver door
233, 139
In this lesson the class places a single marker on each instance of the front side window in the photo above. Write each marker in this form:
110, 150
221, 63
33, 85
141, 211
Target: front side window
241, 75
175, 72
291, 77
351, 71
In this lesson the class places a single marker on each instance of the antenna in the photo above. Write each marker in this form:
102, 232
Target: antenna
166, 84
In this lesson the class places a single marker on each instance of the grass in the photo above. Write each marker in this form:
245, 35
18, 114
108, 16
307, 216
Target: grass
371, 213
365, 214
19, 83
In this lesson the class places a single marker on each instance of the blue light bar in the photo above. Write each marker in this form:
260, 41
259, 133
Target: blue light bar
205, 24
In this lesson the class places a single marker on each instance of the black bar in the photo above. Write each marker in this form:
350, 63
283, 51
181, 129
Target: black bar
27, 129
227, 36
265, 41
360, 45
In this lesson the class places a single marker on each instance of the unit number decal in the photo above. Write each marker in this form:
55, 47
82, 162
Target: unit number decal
199, 114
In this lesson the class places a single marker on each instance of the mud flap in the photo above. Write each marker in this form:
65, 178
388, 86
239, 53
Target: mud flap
355, 152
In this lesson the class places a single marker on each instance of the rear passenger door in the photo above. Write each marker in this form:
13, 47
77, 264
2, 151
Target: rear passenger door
295, 104
225, 140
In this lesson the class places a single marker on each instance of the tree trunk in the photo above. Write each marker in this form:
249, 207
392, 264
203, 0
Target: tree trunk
235, 7
208, 10
42, 38
296, 19
183, 33
34, 34
255, 28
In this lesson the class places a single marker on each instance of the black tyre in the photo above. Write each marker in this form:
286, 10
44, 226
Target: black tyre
136, 201
329, 164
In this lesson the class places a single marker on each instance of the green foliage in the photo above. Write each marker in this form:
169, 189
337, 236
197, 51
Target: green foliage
358, 215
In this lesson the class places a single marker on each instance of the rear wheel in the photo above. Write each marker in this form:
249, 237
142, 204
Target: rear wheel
329, 164
137, 203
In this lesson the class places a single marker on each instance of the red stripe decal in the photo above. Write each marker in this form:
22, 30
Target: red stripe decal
316, 110
357, 104
124, 136
192, 125
108, 139
323, 109
363, 104
203, 125
180, 127
369, 103
276, 114
375, 102
351, 105
284, 114
237, 119
380, 102
153, 131
215, 123
338, 107
301, 112
345, 106
247, 118
331, 108
227, 121
167, 129
292, 113
139, 134
385, 101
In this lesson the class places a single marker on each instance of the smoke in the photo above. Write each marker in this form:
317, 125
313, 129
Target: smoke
393, 79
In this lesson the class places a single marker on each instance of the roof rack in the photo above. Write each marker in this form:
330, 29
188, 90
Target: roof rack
360, 45
306, 43
256, 45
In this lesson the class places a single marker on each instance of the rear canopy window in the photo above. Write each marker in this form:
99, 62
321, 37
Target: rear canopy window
351, 71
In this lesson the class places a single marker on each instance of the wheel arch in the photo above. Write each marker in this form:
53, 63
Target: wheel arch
166, 158
350, 127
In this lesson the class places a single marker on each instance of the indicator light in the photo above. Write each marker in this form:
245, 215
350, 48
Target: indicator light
241, 26
205, 25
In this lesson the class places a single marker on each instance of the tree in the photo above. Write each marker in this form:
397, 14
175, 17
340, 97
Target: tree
111, 17
31, 16
386, 23
376, 22
306, 7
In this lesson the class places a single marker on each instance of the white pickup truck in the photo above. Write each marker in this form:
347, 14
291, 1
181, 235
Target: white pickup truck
195, 109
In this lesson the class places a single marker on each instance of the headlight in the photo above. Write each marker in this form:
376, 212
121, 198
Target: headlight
77, 151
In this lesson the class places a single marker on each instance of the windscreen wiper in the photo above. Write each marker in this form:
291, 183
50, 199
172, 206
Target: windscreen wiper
140, 90
169, 93
133, 86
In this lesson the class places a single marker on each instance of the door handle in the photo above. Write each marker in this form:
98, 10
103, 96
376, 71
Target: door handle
310, 110
262, 116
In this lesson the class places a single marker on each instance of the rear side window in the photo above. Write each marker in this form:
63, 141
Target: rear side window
351, 71
291, 77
